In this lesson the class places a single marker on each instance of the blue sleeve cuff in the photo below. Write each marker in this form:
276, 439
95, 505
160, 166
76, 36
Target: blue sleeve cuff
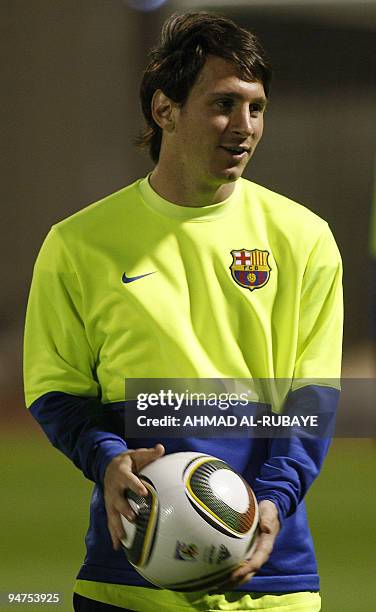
281, 502
103, 453
295, 461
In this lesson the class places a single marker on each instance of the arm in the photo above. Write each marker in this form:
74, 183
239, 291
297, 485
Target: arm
61, 388
81, 428
295, 462
60, 368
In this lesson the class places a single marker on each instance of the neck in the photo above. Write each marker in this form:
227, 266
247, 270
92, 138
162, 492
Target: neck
176, 186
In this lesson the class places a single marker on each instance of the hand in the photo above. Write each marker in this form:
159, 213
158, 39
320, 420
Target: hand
268, 529
121, 475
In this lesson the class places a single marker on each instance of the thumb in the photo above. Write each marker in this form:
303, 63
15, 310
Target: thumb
268, 517
147, 455
265, 524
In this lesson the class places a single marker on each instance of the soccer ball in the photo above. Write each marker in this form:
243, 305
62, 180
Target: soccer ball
197, 524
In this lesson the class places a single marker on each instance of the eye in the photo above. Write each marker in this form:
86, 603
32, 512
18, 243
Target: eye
225, 104
256, 109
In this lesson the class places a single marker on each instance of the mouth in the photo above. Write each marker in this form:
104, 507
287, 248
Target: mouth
237, 153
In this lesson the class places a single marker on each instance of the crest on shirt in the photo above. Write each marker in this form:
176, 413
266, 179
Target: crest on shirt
250, 269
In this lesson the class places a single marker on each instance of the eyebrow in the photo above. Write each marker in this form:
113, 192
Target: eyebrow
233, 94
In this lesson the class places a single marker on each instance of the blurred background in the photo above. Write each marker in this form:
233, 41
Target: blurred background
70, 112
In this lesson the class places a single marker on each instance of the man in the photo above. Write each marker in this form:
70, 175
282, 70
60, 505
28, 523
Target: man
151, 282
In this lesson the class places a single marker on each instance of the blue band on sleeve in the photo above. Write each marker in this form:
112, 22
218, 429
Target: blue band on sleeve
82, 428
294, 462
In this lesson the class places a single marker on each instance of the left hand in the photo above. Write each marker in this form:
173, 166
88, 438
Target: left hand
268, 530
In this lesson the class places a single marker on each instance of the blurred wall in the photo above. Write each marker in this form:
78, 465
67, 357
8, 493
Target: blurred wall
72, 74
70, 95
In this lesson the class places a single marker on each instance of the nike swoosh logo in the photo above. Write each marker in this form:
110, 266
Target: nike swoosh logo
130, 279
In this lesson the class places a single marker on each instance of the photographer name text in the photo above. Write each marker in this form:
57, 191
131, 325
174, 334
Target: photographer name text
274, 420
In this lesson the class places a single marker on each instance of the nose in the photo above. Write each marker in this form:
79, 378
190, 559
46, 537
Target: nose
242, 123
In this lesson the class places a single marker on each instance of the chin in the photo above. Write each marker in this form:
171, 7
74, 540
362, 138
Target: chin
232, 174
226, 176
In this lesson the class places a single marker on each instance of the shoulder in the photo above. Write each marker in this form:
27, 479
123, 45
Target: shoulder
281, 210
290, 226
105, 212
285, 220
90, 229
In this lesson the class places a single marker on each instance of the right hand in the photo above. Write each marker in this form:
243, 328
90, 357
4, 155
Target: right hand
121, 474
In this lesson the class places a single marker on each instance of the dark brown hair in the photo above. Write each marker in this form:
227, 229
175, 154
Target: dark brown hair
174, 64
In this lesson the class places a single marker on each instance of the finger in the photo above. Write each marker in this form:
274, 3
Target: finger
144, 456
117, 502
240, 572
262, 553
124, 507
116, 529
239, 576
246, 578
269, 520
122, 478
268, 525
264, 545
260, 556
132, 482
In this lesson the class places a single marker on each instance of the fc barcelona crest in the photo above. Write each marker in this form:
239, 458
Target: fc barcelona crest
250, 269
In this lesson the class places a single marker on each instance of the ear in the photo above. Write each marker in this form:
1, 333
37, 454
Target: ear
163, 111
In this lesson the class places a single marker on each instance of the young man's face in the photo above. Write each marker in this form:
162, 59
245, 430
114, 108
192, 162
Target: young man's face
219, 126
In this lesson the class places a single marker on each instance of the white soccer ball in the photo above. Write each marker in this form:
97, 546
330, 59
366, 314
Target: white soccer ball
198, 523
